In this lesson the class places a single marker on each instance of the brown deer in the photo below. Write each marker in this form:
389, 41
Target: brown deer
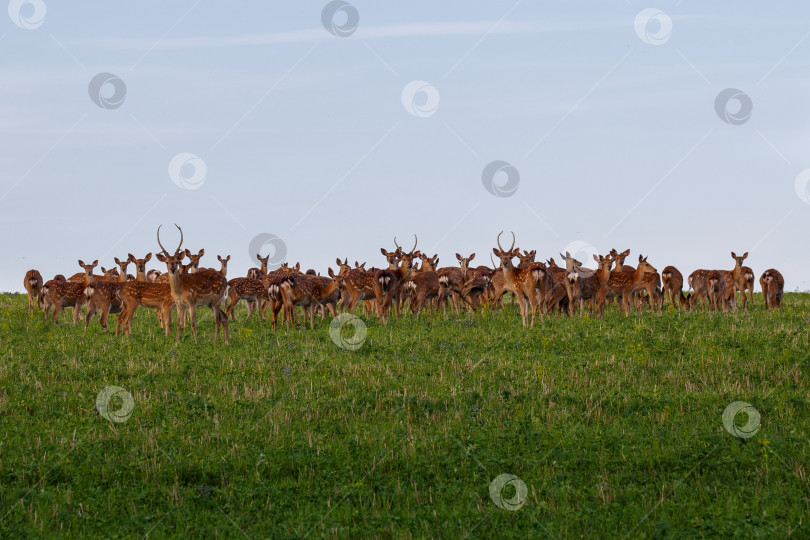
358, 285
623, 284
253, 291
310, 292
520, 280
585, 283
732, 278
140, 266
153, 275
144, 293
387, 283
257, 273
423, 287
194, 289
32, 283
746, 283
103, 295
773, 286
60, 294
672, 280
716, 290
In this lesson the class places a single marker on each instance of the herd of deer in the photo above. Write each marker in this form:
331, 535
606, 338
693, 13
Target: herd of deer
538, 287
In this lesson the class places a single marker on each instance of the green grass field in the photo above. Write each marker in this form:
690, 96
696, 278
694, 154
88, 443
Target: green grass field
614, 426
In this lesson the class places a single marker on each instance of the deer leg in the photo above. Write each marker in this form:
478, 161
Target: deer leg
192, 315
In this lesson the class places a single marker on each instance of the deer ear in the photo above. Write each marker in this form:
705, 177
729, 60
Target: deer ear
472, 256
160, 257
338, 261
639, 258
298, 266
201, 253
147, 258
495, 251
219, 258
331, 274
228, 258
745, 255
382, 250
733, 255
458, 256
117, 261
417, 254
597, 259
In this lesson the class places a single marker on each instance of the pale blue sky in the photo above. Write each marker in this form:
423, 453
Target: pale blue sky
304, 134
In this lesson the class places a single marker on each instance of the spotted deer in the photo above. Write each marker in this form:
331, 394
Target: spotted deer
310, 292
194, 289
672, 281
253, 291
60, 294
520, 281
153, 275
32, 283
140, 266
716, 291
257, 273
623, 284
773, 286
746, 283
733, 277
387, 282
358, 285
148, 294
103, 295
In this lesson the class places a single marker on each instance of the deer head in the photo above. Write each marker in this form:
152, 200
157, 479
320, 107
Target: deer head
173, 262
506, 256
465, 264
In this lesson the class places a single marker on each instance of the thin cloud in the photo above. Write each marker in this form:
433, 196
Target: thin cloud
437, 29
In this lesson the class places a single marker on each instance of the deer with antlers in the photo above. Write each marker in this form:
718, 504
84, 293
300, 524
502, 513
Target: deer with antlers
32, 283
520, 280
773, 286
387, 282
195, 289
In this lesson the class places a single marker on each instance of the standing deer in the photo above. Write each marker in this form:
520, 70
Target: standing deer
103, 295
773, 285
32, 283
716, 291
672, 280
148, 294
623, 284
257, 273
732, 278
194, 289
251, 290
520, 280
746, 283
387, 283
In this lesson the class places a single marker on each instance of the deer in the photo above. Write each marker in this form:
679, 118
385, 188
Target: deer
148, 294
387, 282
153, 275
716, 290
223, 269
194, 289
623, 284
274, 299
140, 266
103, 295
746, 283
253, 291
60, 294
773, 286
520, 281
584, 283
732, 278
358, 285
699, 283
310, 292
257, 273
32, 283
672, 280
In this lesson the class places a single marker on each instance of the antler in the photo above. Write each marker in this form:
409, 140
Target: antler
395, 243
510, 247
181, 236
415, 241
158, 239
